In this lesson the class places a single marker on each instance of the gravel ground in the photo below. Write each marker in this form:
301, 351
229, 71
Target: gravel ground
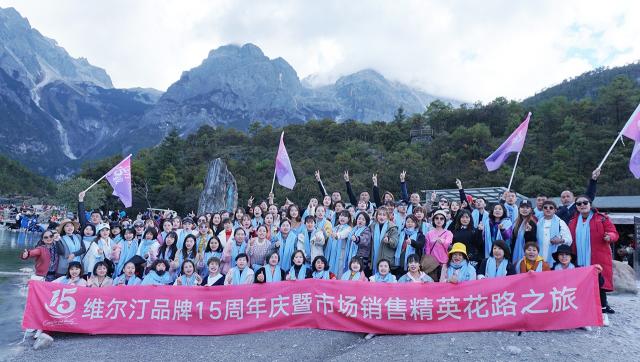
620, 342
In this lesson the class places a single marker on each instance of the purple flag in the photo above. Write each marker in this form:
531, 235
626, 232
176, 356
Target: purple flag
120, 179
284, 171
634, 162
514, 143
632, 130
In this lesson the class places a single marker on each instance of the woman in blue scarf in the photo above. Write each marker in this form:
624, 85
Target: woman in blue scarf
411, 241
235, 246
321, 269
241, 273
355, 272
148, 246
564, 259
285, 244
500, 227
384, 273
458, 268
524, 230
159, 274
128, 276
271, 271
337, 251
70, 243
498, 264
299, 270
188, 276
125, 250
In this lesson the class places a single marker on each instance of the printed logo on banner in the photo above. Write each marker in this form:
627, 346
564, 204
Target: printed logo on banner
61, 306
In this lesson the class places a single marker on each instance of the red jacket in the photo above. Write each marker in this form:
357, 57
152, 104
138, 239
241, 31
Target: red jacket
600, 249
43, 258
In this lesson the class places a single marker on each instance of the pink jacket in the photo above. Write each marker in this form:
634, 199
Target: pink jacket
439, 250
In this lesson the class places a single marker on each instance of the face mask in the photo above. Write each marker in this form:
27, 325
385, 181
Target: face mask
160, 272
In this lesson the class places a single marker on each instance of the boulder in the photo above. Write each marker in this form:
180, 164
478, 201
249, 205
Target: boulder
220, 189
624, 278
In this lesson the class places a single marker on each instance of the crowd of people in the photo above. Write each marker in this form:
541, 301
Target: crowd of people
377, 237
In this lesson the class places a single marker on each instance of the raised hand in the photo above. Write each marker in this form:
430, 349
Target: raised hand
317, 174
81, 196
250, 202
403, 175
25, 254
459, 184
346, 176
374, 179
595, 174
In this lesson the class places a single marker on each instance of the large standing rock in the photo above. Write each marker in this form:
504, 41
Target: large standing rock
624, 278
220, 189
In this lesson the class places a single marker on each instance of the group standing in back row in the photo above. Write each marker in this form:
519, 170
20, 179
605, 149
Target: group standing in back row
372, 238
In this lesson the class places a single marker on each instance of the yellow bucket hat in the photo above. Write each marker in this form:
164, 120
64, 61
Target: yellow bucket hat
459, 248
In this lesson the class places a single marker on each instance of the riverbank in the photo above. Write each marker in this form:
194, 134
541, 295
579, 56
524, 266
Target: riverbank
620, 342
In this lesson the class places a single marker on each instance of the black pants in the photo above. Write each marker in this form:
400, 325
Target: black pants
603, 298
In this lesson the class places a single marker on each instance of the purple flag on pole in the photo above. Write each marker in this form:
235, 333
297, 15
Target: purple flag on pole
514, 143
120, 179
284, 171
632, 130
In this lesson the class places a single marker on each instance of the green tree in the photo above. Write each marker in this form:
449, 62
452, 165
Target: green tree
67, 193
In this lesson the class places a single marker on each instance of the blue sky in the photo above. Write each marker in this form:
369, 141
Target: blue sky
469, 50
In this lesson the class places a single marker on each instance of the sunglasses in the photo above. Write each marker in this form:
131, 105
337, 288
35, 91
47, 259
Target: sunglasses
548, 207
582, 203
46, 237
139, 226
438, 218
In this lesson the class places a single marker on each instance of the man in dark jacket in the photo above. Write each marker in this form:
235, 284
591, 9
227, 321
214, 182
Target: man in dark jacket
568, 209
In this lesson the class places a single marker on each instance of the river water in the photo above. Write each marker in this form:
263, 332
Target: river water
13, 287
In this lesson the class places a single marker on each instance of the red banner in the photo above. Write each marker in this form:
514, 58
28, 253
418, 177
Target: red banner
524, 302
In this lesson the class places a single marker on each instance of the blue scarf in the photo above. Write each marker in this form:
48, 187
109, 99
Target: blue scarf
347, 276
425, 227
512, 211
117, 239
287, 247
378, 235
236, 249
122, 280
145, 246
211, 254
126, 252
72, 242
463, 274
558, 266
486, 233
301, 275
518, 248
238, 276
389, 278
491, 271
307, 243
399, 220
410, 249
496, 233
321, 275
189, 281
352, 248
538, 213
275, 277
152, 278
191, 255
334, 250
583, 240
553, 232
257, 222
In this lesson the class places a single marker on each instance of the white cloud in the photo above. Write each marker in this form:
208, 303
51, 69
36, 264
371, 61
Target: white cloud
470, 50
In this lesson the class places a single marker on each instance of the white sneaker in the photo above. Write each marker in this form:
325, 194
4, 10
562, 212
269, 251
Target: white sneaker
605, 320
587, 328
369, 336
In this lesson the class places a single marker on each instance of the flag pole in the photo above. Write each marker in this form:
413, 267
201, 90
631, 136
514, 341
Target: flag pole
514, 171
274, 181
611, 149
105, 175
635, 112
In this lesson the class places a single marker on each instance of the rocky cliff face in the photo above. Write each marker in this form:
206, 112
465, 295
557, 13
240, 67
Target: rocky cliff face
66, 110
